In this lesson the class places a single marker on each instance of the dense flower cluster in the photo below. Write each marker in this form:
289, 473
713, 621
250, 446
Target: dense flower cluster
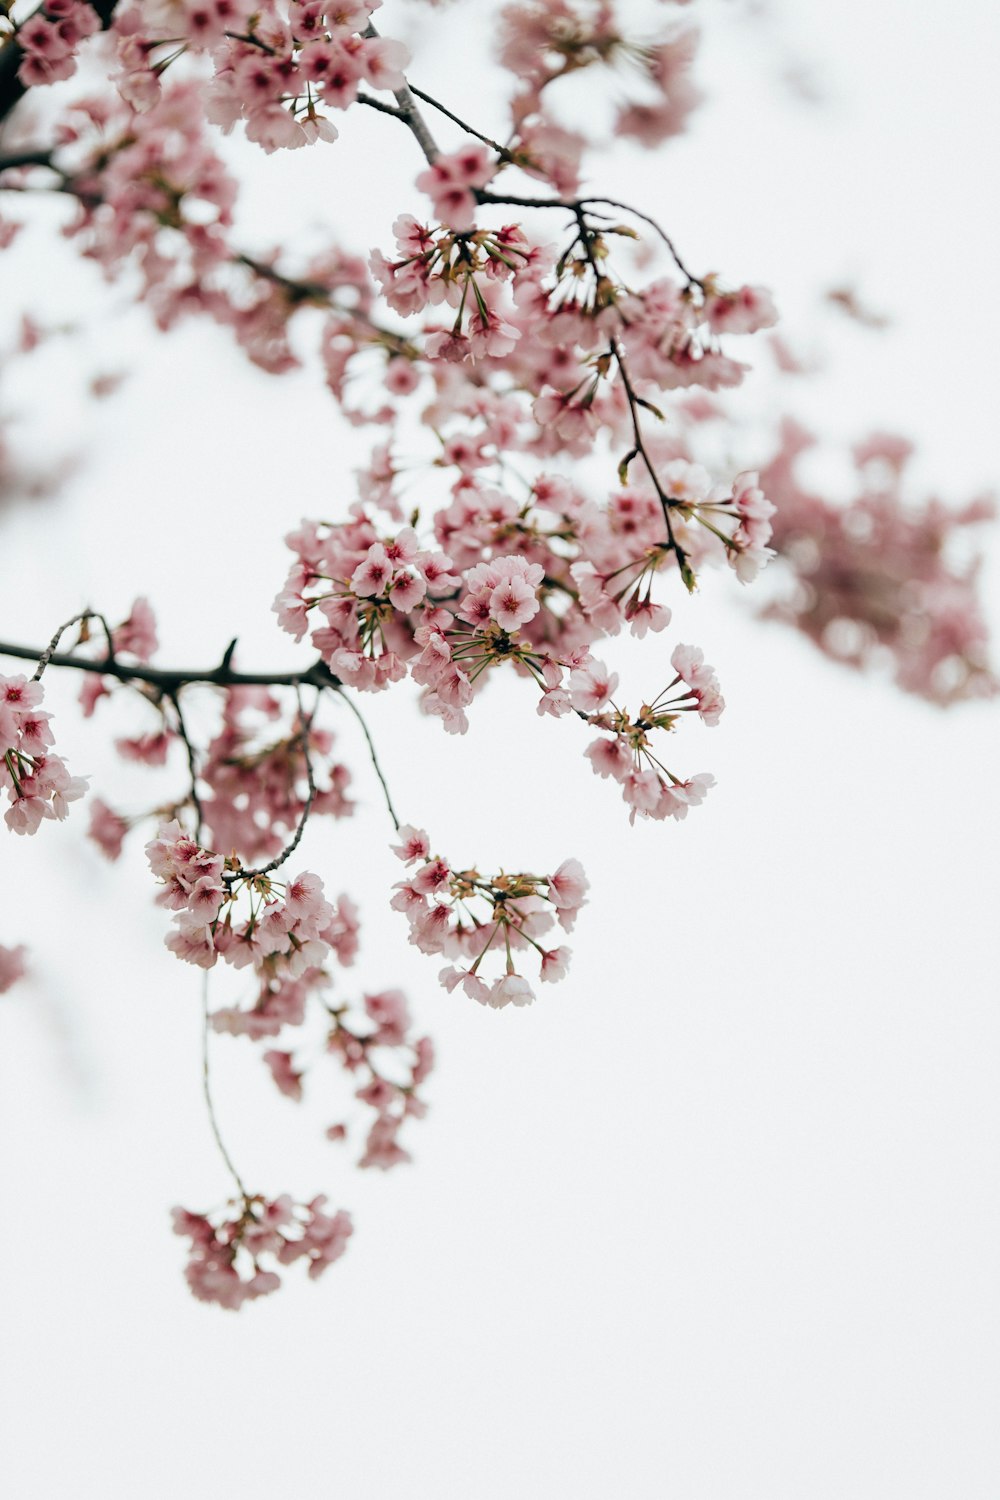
37, 781
461, 915
535, 584
51, 37
287, 930
233, 1253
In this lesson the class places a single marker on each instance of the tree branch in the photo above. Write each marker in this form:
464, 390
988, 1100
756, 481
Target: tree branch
409, 113
182, 730
169, 682
487, 140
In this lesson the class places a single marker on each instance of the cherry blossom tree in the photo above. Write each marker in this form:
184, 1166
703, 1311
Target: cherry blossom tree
546, 378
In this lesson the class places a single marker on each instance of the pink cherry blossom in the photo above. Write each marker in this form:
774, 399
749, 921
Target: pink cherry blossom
13, 966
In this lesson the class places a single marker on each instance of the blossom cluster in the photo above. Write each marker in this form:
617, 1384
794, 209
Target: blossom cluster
270, 69
554, 317
37, 781
288, 928
234, 1251
623, 753
529, 587
50, 39
463, 916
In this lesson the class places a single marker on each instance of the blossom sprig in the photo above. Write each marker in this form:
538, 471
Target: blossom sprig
624, 751
234, 1250
369, 587
283, 932
462, 270
464, 916
37, 782
740, 519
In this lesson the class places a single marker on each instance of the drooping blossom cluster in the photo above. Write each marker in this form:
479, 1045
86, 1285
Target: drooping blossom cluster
559, 316
37, 781
534, 585
624, 751
478, 921
234, 1251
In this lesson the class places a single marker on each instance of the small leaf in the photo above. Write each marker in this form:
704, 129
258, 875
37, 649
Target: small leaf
623, 466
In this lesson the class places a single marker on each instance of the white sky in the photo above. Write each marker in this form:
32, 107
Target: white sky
717, 1218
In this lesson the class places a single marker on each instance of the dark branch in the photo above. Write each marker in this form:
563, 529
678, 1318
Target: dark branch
169, 682
443, 109
576, 206
385, 109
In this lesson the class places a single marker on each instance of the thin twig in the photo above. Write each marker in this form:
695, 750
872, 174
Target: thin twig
384, 109
443, 109
192, 763
48, 655
646, 219
371, 751
302, 737
575, 205
207, 1091
639, 450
